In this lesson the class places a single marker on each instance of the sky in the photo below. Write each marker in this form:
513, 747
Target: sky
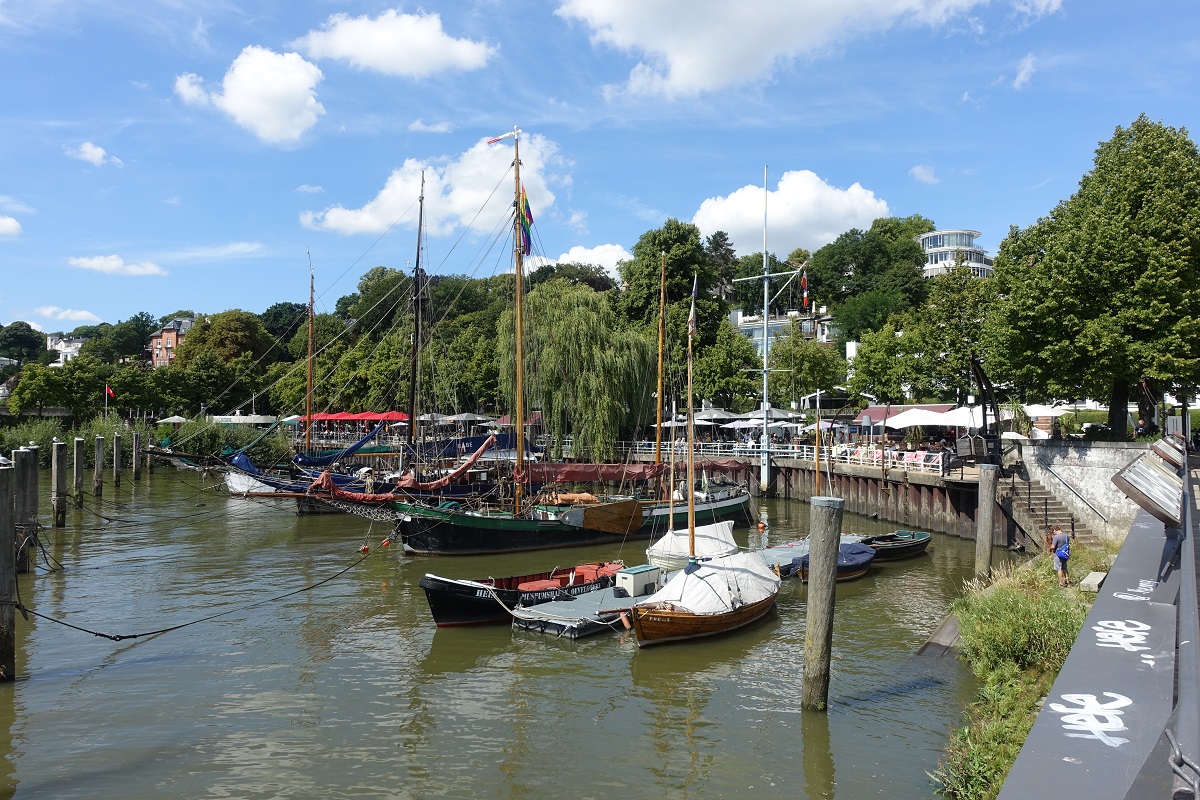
164, 155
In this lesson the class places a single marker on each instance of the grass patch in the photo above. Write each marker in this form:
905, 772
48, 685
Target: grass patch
1016, 630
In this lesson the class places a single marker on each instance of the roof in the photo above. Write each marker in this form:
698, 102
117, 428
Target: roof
880, 413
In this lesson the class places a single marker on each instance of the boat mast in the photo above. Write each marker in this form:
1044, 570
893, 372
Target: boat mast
309, 385
662, 330
764, 474
691, 436
416, 335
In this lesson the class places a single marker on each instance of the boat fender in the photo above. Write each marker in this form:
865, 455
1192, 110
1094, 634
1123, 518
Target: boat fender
762, 526
366, 548
625, 620
385, 543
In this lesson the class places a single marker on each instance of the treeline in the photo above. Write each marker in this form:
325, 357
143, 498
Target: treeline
1095, 300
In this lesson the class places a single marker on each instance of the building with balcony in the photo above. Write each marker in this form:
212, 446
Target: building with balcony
944, 248
817, 325
67, 347
164, 344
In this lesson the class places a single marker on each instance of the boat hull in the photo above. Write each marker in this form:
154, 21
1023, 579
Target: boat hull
430, 531
480, 602
660, 626
899, 545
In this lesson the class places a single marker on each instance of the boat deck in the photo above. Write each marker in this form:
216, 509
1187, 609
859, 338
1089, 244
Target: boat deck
577, 617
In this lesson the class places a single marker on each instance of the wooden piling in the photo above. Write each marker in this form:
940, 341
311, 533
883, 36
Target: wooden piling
58, 483
77, 470
825, 534
116, 460
20, 507
137, 454
98, 470
8, 576
989, 477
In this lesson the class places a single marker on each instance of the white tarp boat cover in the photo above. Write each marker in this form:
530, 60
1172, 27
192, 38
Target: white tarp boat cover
671, 551
718, 586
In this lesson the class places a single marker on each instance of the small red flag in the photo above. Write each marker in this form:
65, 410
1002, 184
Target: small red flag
108, 391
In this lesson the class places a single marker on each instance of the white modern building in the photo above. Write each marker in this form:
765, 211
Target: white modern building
944, 248
67, 347
818, 326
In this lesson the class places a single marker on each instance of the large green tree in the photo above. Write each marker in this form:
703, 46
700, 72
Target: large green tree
801, 365
729, 372
19, 341
945, 334
685, 260
1104, 293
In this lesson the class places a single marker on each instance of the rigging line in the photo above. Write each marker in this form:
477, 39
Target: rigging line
25, 611
478, 211
371, 247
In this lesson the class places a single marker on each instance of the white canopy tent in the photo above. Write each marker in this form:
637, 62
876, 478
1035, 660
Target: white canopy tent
913, 417
970, 417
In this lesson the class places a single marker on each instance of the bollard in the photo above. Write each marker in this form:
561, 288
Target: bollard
825, 536
117, 460
8, 577
77, 468
137, 452
98, 470
58, 483
989, 477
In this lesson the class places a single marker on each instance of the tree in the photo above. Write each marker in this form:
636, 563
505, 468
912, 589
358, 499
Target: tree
227, 335
37, 386
883, 367
866, 312
20, 342
282, 320
748, 295
1100, 295
590, 377
800, 366
181, 314
384, 294
729, 371
721, 255
591, 275
945, 333
685, 259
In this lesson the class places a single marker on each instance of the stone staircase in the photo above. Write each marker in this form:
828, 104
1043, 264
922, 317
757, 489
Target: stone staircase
1033, 507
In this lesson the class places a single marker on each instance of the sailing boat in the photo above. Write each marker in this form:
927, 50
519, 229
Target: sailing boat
711, 597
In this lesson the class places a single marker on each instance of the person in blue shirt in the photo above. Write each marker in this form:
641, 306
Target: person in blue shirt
1060, 552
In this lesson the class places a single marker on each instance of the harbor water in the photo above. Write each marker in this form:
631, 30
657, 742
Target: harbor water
317, 672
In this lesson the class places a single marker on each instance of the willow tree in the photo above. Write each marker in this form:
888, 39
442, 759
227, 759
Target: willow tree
590, 378
1102, 295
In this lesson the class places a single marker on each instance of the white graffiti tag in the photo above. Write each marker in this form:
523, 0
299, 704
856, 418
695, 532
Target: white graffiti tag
1144, 587
1126, 634
1096, 719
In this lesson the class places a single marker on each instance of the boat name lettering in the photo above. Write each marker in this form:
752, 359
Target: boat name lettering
482, 593
1129, 635
1096, 720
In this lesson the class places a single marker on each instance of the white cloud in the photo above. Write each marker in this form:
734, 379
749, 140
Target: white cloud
115, 265
9, 227
455, 191
308, 188
218, 252
577, 221
605, 255
410, 45
694, 46
94, 154
1025, 71
803, 211
924, 173
67, 314
437, 127
1037, 8
10, 203
272, 95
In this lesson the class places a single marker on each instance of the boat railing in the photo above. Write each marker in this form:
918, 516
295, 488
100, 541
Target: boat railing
923, 461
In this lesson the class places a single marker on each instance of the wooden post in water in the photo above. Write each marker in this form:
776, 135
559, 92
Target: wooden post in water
137, 454
825, 536
8, 577
77, 468
98, 470
117, 460
58, 483
20, 506
989, 477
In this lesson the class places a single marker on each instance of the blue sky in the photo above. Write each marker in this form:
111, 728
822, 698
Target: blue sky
160, 155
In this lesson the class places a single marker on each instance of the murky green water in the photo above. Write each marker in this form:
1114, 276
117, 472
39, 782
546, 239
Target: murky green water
347, 690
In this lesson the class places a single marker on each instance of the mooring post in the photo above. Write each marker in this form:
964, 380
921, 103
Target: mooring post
20, 507
137, 453
117, 460
98, 470
77, 469
58, 483
8, 577
825, 535
989, 477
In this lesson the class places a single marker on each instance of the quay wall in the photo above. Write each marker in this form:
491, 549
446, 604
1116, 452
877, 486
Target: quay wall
1079, 473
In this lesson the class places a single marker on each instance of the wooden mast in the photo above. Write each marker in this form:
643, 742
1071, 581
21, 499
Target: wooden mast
308, 412
691, 436
519, 254
416, 336
662, 330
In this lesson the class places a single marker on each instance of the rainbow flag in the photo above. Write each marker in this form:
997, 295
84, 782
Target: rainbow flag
526, 219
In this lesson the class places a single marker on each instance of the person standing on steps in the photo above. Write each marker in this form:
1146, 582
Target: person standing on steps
1060, 547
